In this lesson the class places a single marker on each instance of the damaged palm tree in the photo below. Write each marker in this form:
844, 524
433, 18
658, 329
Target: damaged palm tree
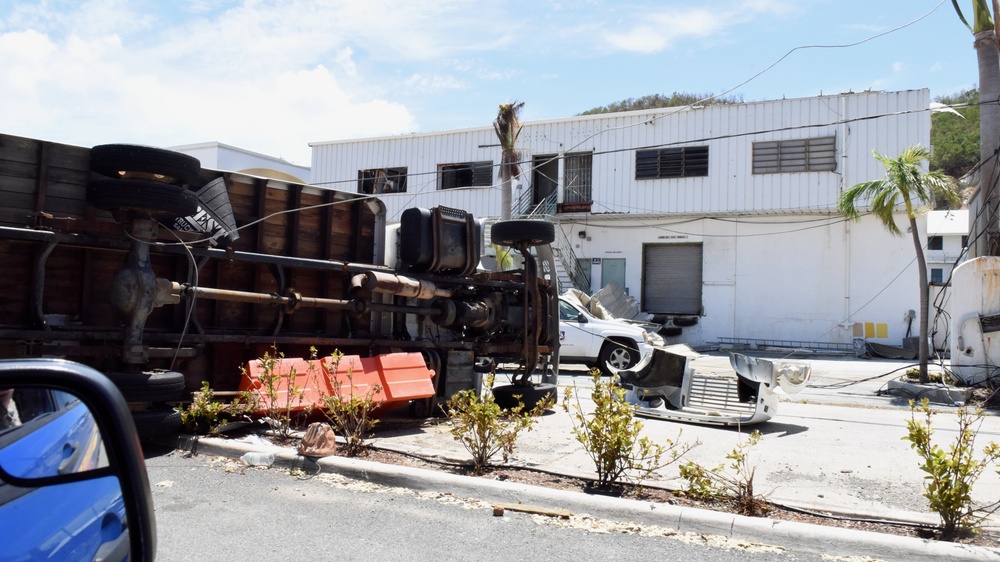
507, 127
904, 183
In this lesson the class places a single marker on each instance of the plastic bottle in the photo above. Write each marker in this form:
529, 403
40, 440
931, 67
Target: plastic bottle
257, 459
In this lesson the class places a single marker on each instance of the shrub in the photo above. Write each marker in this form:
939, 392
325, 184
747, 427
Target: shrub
484, 428
206, 415
736, 486
913, 375
278, 411
350, 414
610, 435
950, 472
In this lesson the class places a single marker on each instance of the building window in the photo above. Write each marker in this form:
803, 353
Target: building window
578, 174
466, 174
682, 162
937, 276
965, 241
382, 180
935, 243
798, 155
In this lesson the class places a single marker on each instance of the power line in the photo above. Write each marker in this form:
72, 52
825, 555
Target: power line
706, 99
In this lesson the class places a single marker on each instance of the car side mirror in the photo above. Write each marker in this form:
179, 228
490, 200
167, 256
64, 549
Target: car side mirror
581, 318
73, 481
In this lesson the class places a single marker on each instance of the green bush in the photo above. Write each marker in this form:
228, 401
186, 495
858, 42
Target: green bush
610, 435
951, 472
736, 485
484, 428
205, 415
350, 414
277, 411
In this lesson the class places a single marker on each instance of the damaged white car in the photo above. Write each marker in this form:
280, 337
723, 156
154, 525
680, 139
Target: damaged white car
665, 386
608, 344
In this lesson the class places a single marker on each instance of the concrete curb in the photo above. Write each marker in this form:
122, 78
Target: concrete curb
817, 539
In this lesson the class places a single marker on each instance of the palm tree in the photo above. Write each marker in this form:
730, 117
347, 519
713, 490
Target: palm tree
984, 29
906, 182
507, 127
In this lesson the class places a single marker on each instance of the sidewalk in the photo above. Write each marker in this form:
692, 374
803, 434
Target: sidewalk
836, 447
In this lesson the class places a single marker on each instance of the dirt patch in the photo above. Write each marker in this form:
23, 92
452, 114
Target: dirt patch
547, 480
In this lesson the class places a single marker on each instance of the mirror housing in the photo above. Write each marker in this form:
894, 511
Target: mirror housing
118, 435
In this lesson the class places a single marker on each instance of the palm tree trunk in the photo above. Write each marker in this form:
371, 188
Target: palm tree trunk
985, 228
924, 353
505, 191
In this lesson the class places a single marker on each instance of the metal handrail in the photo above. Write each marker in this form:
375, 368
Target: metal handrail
523, 205
577, 275
527, 208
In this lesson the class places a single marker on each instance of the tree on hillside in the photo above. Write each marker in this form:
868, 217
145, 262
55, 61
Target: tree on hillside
988, 55
956, 140
656, 101
905, 183
507, 127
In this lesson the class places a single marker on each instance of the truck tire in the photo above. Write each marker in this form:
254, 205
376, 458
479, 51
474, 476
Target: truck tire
139, 195
534, 232
150, 424
113, 160
617, 356
530, 396
150, 386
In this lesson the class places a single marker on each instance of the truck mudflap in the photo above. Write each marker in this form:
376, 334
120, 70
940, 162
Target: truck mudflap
665, 386
390, 379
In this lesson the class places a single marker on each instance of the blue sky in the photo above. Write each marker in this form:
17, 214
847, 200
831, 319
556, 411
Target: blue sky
274, 75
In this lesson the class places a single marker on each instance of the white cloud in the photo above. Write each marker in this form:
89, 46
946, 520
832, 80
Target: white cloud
106, 74
430, 83
666, 27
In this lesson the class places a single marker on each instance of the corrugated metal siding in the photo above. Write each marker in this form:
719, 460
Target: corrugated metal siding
728, 130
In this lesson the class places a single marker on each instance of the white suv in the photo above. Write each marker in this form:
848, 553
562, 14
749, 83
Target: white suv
609, 345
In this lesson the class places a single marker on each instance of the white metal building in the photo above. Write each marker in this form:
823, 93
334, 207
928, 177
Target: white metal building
947, 237
719, 219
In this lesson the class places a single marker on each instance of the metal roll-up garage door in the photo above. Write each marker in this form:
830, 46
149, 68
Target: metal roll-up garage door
671, 278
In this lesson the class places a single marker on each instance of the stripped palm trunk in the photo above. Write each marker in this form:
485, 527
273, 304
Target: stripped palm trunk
507, 127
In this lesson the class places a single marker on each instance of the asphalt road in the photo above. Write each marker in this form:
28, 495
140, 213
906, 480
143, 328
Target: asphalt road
214, 509
836, 446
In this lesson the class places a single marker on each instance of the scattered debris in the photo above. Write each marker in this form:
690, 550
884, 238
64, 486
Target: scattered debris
533, 509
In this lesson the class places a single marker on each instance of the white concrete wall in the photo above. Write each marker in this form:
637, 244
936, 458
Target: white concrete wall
807, 278
219, 156
976, 291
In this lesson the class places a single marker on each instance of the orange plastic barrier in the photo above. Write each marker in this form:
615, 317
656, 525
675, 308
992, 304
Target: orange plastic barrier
401, 377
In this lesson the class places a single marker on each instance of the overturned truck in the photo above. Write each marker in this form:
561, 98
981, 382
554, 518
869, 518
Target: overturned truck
162, 274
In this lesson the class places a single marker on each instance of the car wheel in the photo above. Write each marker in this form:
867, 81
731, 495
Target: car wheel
138, 195
150, 386
125, 160
506, 396
617, 356
534, 232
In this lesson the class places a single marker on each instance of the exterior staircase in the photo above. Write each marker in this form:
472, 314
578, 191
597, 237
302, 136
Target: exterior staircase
568, 270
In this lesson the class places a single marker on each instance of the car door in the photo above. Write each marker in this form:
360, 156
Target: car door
56, 435
576, 340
